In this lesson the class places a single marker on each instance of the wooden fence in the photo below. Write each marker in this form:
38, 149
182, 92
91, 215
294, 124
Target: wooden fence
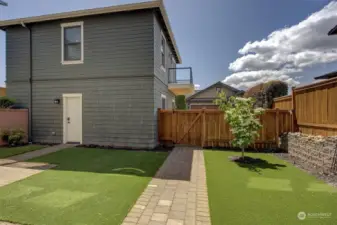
315, 107
208, 128
14, 119
284, 102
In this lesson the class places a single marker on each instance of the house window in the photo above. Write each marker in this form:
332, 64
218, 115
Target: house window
218, 90
72, 43
162, 50
163, 101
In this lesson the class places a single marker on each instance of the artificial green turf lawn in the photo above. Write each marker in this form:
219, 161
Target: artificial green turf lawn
7, 152
269, 194
90, 186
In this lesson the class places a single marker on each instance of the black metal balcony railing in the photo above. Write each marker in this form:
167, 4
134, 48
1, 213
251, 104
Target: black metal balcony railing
182, 75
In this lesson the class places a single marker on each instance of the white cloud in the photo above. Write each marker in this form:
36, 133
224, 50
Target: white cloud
287, 51
246, 79
197, 86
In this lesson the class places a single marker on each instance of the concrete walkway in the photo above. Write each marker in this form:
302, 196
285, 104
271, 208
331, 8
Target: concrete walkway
13, 169
41, 152
177, 195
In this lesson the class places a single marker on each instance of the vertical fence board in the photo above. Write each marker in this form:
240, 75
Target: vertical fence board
314, 108
211, 128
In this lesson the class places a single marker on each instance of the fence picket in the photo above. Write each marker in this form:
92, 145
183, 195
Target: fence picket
206, 127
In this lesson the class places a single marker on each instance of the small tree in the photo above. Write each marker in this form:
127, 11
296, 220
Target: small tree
181, 102
242, 117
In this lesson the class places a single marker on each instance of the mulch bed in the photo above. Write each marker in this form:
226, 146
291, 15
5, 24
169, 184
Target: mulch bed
246, 160
159, 148
330, 178
249, 149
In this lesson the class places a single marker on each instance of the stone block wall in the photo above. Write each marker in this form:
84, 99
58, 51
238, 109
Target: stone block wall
312, 152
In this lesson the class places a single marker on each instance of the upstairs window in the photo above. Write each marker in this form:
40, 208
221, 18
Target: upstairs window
218, 90
163, 50
72, 43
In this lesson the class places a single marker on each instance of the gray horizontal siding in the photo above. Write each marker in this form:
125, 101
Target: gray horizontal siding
115, 45
17, 55
159, 89
19, 91
120, 93
126, 120
162, 75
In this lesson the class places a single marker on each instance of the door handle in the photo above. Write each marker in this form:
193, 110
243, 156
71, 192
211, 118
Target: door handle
68, 119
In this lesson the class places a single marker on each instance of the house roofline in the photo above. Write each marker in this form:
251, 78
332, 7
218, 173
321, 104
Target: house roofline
327, 76
333, 31
158, 4
209, 87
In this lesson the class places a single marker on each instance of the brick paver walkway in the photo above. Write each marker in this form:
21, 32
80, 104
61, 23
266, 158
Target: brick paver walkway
177, 195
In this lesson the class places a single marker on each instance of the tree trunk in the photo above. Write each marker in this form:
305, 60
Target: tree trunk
243, 153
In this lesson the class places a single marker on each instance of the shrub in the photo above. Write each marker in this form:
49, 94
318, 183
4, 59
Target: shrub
242, 117
264, 93
181, 102
16, 137
4, 135
6, 102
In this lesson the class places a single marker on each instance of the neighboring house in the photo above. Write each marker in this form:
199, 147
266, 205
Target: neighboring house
327, 76
205, 98
2, 91
93, 76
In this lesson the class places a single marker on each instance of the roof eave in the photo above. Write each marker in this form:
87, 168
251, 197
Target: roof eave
169, 29
98, 11
212, 85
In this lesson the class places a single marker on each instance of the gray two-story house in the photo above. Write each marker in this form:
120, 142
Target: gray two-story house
94, 76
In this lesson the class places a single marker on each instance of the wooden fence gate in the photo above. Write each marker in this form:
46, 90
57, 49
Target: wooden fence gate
208, 128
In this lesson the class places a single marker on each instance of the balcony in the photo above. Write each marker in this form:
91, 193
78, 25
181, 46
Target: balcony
180, 80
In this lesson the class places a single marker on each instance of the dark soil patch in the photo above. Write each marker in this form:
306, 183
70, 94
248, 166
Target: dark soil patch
254, 164
159, 148
45, 143
249, 149
246, 159
13, 146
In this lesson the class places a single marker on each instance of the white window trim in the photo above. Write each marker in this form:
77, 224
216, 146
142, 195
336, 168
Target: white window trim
64, 96
67, 62
174, 103
162, 96
162, 37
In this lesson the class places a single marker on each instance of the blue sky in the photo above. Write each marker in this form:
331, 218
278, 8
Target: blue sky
209, 35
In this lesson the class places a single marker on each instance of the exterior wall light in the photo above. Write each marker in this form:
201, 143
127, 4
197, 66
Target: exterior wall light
57, 101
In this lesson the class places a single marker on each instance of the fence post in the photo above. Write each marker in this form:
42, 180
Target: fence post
173, 127
203, 130
293, 115
158, 125
277, 126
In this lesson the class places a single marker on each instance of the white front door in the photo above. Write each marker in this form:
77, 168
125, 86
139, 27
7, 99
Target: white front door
72, 118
